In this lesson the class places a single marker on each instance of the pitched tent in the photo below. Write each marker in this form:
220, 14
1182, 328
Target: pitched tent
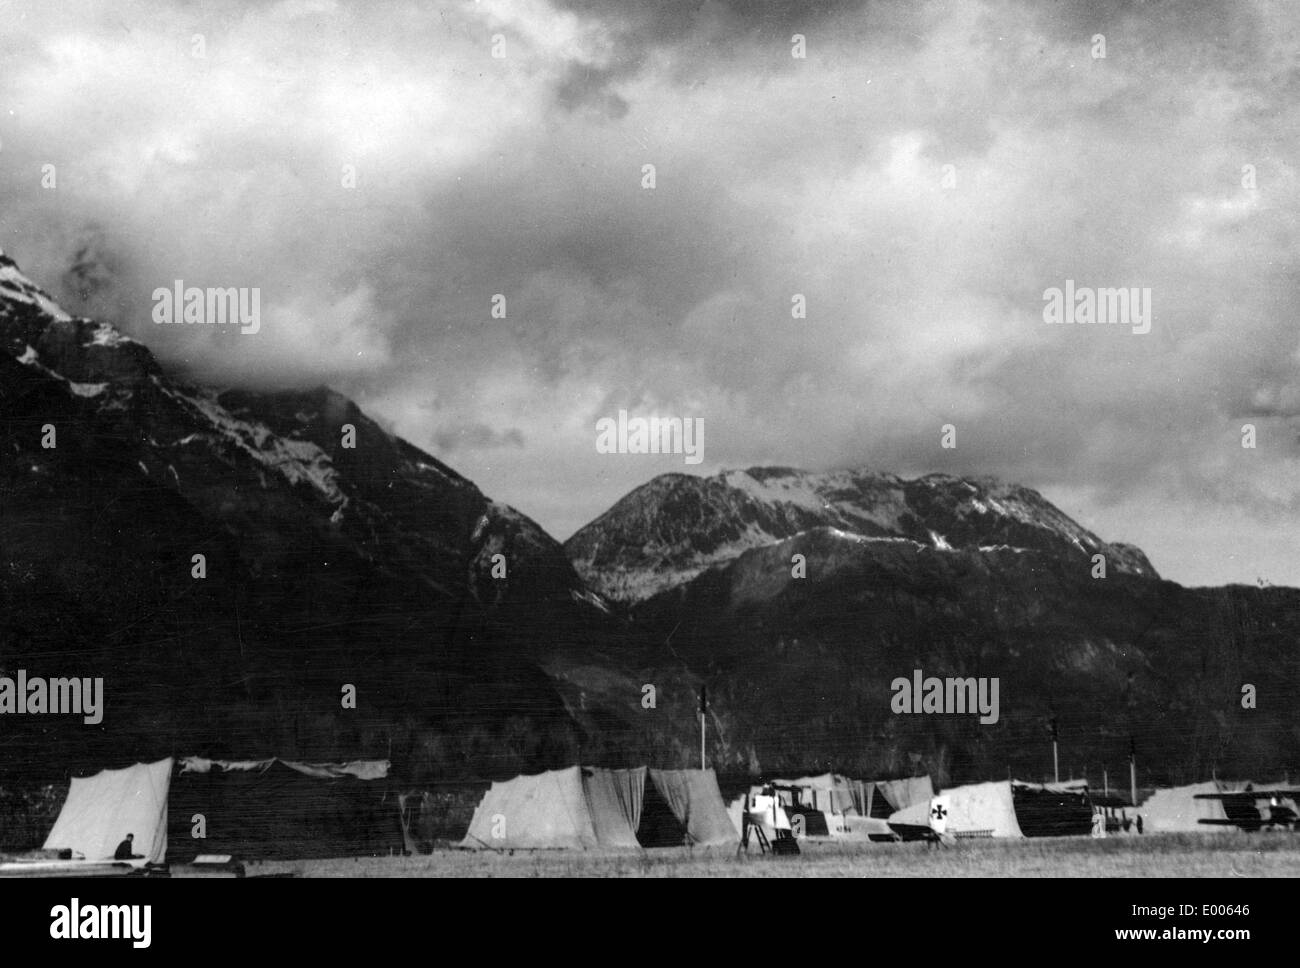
976, 810
890, 796
586, 808
259, 809
696, 802
102, 809
1176, 809
574, 808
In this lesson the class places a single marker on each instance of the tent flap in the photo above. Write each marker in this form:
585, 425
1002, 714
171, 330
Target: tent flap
900, 794
614, 801
695, 800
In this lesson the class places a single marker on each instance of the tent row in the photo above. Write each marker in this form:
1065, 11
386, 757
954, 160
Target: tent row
1010, 808
587, 808
255, 809
262, 809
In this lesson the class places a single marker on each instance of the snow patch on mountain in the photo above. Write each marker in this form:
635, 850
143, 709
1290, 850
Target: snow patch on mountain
848, 497
31, 358
106, 335
940, 542
300, 461
17, 287
784, 489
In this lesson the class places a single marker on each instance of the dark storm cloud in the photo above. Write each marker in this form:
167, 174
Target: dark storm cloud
521, 176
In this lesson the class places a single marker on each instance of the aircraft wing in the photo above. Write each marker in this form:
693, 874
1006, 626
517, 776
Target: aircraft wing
913, 831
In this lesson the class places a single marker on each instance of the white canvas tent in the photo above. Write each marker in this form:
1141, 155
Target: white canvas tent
1176, 809
543, 810
102, 809
976, 810
250, 807
696, 802
900, 794
586, 808
1004, 808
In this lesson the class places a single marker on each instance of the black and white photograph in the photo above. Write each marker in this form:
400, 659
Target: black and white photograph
718, 439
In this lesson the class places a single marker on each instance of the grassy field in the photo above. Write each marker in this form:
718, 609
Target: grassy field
1186, 855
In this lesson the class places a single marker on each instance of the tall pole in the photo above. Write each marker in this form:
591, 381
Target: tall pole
1133, 771
1105, 781
1056, 760
703, 705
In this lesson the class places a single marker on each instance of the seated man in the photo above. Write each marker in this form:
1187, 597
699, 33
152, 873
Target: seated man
125, 850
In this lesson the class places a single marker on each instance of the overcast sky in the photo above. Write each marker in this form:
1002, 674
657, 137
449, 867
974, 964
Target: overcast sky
774, 175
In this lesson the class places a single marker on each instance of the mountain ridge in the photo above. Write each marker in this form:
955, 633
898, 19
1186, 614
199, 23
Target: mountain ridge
697, 523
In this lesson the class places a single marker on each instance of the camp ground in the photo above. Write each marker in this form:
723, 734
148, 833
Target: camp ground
192, 813
178, 811
586, 808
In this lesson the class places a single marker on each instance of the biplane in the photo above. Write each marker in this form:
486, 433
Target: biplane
1240, 810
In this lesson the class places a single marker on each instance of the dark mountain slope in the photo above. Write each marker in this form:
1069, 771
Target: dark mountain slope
325, 566
800, 669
